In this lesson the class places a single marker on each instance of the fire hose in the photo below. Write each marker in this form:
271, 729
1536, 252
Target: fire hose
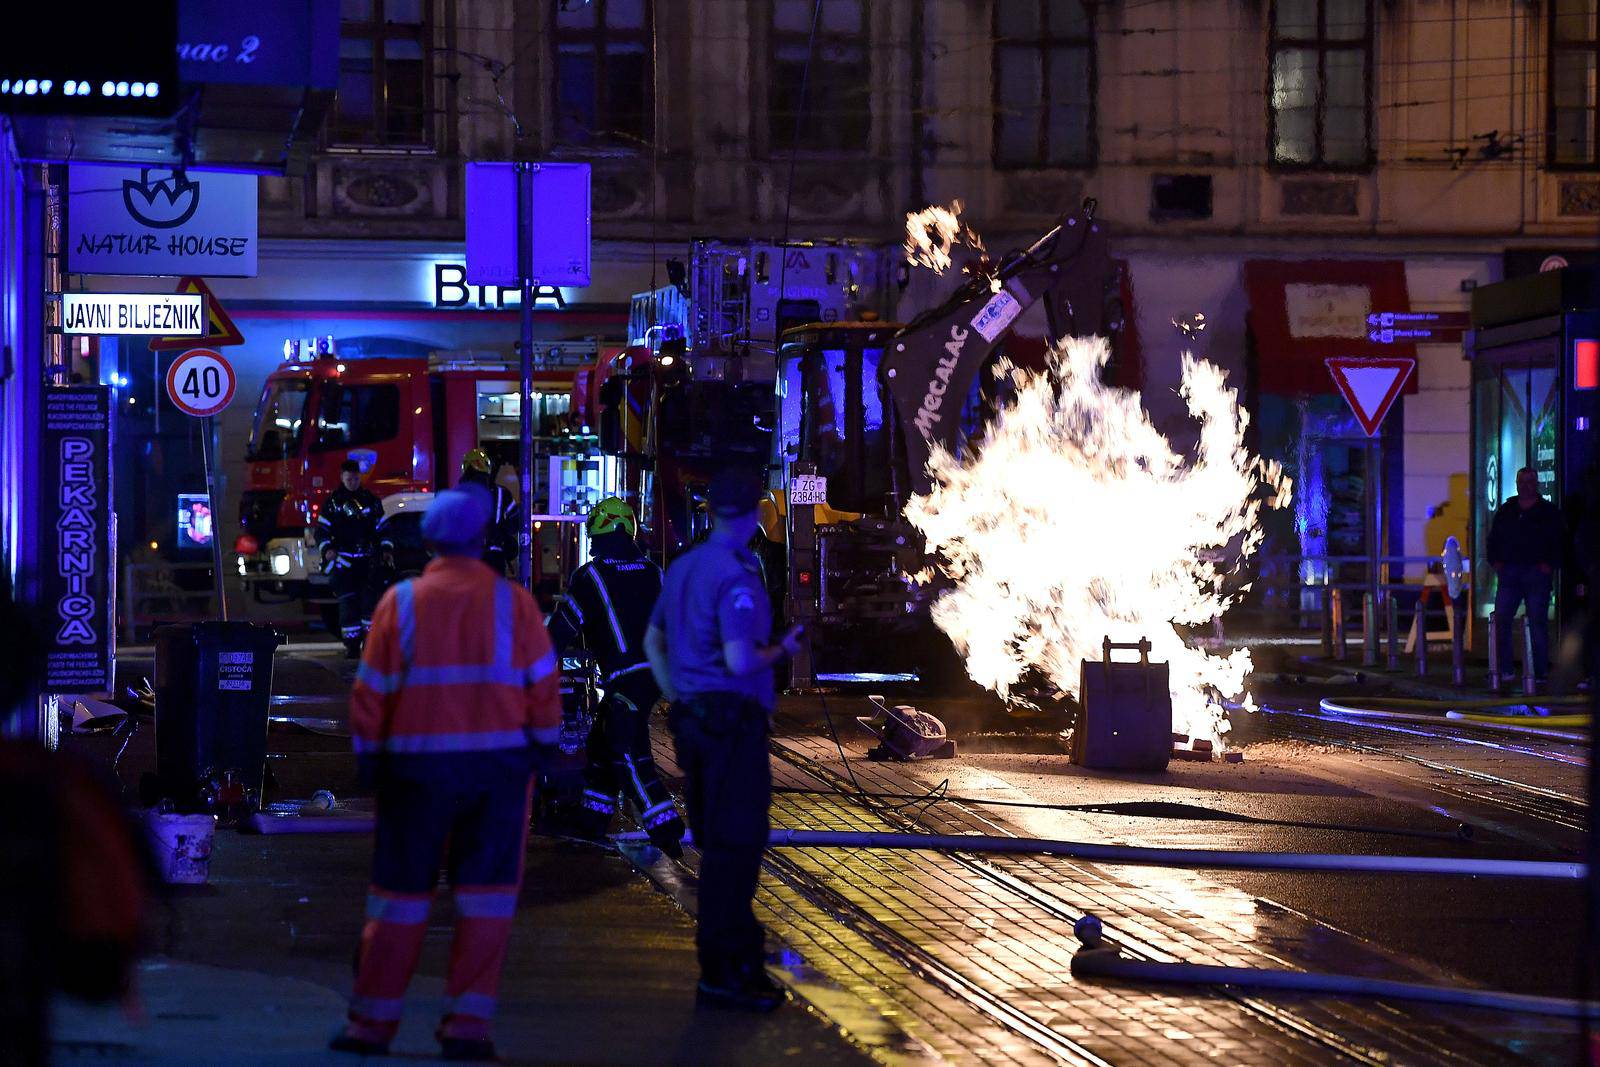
1165, 857
1478, 712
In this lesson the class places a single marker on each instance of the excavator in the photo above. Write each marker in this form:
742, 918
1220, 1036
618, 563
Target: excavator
860, 408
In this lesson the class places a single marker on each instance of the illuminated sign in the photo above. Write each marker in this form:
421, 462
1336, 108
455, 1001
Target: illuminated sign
77, 530
1586, 364
176, 314
452, 290
108, 59
151, 220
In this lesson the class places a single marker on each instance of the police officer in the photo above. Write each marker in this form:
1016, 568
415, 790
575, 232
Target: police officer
347, 533
606, 610
708, 644
456, 700
500, 541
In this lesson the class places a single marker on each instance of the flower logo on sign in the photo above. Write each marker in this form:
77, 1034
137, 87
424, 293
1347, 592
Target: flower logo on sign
161, 199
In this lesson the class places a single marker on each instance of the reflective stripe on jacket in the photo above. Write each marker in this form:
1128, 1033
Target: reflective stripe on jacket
457, 660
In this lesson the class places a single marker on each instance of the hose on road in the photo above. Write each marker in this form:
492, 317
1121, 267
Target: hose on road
1169, 857
1103, 962
1478, 712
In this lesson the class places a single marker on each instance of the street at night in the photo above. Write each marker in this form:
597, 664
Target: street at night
800, 531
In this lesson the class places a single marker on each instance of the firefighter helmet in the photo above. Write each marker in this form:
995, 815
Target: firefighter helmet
475, 460
612, 513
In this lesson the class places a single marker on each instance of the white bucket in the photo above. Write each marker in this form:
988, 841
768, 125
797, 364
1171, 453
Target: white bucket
182, 844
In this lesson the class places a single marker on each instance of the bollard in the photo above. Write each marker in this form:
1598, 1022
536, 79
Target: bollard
1529, 685
1369, 630
1325, 609
1394, 632
1419, 619
1340, 651
1494, 653
1458, 650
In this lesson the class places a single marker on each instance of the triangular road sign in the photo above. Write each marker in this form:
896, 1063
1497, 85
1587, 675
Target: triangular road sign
1371, 385
220, 329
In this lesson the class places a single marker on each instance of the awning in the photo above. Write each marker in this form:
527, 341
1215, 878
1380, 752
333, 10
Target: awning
1303, 312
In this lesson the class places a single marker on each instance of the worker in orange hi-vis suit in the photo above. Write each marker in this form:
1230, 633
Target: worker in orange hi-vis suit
456, 701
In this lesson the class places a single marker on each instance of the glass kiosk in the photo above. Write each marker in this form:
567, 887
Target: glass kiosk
1535, 354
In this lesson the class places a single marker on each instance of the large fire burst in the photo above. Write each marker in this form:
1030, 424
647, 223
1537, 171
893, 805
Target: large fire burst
1071, 519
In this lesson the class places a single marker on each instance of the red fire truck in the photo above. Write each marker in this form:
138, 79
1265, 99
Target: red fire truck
408, 420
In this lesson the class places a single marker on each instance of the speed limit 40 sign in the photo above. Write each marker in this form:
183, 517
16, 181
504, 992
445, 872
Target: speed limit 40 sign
200, 382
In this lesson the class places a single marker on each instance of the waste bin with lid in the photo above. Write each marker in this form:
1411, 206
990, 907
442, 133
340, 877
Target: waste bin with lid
213, 690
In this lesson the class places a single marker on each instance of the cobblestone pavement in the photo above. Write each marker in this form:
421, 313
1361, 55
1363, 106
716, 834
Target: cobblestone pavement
968, 958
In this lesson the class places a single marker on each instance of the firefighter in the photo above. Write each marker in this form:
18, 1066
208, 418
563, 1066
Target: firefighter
500, 542
708, 645
347, 534
455, 703
606, 610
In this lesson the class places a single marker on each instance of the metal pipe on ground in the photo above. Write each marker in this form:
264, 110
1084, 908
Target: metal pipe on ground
1167, 857
1105, 963
1458, 652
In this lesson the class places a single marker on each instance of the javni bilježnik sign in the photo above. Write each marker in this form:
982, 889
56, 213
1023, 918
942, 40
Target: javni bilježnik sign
76, 533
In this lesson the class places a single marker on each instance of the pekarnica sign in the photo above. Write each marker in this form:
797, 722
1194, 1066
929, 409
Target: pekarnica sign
77, 529
149, 220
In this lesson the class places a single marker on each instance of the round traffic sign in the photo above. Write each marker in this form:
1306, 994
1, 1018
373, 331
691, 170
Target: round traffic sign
200, 382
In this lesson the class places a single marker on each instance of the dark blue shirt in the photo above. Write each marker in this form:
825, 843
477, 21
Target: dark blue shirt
714, 594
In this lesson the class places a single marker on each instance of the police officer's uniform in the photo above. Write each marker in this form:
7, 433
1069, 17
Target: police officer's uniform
720, 722
606, 610
347, 534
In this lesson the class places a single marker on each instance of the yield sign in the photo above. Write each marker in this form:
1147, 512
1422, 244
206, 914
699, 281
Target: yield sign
220, 329
1371, 385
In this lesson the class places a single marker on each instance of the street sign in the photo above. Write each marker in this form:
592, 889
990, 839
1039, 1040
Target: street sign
77, 539
558, 213
219, 328
200, 382
1410, 327
1370, 386
182, 315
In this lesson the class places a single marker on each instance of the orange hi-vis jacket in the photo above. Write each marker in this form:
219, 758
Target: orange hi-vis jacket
457, 660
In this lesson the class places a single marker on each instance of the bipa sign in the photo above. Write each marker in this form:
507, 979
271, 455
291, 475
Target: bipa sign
149, 220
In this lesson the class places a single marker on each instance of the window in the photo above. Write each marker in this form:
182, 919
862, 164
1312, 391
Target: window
1320, 110
352, 415
1573, 113
384, 70
838, 101
603, 75
1044, 83
278, 418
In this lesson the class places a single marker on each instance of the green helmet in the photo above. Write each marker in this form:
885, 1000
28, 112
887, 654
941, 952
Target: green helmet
612, 513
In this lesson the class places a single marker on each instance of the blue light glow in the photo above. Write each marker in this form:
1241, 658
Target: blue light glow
122, 88
45, 86
108, 89
152, 89
5, 86
31, 86
70, 89
137, 89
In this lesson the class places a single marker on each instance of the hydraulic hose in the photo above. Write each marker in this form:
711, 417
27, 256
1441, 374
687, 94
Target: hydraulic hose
1476, 713
1169, 857
1106, 963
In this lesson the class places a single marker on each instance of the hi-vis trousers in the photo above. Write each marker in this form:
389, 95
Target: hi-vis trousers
477, 804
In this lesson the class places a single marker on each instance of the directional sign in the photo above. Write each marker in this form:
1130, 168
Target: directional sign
1370, 386
1446, 336
1408, 327
219, 328
200, 382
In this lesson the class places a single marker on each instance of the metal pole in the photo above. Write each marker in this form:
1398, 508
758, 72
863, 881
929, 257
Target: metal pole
1374, 525
1494, 651
207, 458
1369, 630
1394, 632
1340, 651
1325, 609
1530, 684
1419, 619
525, 356
1458, 652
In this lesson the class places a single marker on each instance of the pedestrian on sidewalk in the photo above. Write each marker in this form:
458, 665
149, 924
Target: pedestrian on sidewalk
1525, 547
456, 699
709, 652
606, 611
347, 536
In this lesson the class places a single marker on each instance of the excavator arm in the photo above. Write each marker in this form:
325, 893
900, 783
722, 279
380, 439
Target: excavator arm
933, 361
